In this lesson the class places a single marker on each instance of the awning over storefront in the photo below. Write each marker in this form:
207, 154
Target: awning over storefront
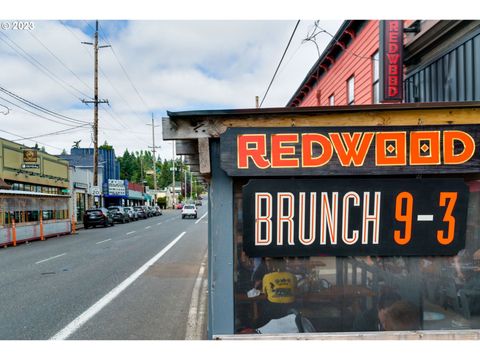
135, 195
4, 185
147, 197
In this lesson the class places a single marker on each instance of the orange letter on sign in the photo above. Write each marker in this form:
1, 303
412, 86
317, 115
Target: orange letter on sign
449, 138
278, 151
307, 150
448, 217
427, 153
391, 149
355, 149
257, 153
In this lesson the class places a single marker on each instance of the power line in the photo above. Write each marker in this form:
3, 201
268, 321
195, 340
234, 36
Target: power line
42, 109
59, 132
113, 115
38, 142
32, 60
59, 60
280, 63
125, 71
35, 114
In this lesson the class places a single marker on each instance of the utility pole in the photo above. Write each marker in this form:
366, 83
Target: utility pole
154, 154
95, 101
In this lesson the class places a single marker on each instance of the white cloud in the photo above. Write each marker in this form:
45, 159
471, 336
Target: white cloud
175, 65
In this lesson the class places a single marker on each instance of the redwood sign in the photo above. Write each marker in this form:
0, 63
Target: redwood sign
350, 151
344, 217
391, 60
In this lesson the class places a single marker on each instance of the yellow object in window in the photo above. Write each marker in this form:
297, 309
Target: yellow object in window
280, 287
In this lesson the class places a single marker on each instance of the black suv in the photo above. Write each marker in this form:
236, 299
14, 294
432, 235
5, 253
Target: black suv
98, 216
119, 214
142, 214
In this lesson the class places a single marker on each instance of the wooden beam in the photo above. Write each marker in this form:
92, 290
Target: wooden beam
191, 129
204, 152
209, 127
186, 147
195, 168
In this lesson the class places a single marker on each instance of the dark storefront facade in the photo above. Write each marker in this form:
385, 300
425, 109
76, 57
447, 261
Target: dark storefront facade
338, 224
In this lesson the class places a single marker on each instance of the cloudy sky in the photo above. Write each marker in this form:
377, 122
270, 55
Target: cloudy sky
152, 66
157, 64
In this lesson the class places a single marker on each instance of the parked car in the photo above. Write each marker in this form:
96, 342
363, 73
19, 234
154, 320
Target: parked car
198, 202
157, 209
140, 212
132, 214
179, 206
119, 214
189, 210
98, 216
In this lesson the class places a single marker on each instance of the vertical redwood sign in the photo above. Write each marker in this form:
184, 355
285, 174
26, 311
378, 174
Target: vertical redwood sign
391, 60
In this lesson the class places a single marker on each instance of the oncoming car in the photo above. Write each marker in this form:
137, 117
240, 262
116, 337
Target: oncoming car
189, 210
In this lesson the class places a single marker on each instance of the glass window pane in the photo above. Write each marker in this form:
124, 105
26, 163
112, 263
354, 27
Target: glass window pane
344, 294
351, 90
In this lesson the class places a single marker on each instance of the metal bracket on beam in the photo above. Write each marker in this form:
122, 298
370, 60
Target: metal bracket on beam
183, 129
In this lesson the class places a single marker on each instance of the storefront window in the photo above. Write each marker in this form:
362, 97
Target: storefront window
351, 294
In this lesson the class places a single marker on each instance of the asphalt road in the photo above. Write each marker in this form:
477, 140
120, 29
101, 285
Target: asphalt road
99, 283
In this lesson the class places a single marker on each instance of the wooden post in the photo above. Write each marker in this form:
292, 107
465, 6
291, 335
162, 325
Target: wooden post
42, 237
14, 232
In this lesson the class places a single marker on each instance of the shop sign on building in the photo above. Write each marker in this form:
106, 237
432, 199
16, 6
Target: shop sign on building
354, 217
391, 60
96, 191
30, 156
330, 151
116, 187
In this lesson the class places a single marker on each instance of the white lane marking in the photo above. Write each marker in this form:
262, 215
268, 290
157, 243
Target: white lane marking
103, 241
53, 257
424, 217
109, 297
197, 304
131, 232
148, 227
196, 222
159, 224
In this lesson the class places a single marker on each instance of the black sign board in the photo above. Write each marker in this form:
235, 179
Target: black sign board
337, 151
354, 217
30, 166
391, 60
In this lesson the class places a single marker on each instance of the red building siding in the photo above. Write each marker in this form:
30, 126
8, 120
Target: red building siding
355, 60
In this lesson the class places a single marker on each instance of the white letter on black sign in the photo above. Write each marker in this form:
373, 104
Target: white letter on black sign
356, 202
283, 197
312, 220
373, 218
329, 217
263, 219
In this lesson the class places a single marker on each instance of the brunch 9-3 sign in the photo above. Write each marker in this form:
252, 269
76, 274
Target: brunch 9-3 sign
350, 151
346, 217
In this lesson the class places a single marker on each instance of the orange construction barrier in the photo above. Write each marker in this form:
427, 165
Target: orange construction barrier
42, 237
73, 225
14, 233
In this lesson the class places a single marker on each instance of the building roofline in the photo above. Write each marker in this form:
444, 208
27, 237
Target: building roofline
316, 110
321, 59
